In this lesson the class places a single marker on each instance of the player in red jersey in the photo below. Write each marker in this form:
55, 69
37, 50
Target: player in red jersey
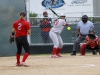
91, 44
20, 30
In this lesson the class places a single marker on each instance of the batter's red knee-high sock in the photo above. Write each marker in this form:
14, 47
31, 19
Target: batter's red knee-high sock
18, 58
25, 57
58, 50
54, 51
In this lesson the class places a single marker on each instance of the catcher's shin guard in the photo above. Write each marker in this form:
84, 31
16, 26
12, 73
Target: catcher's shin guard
82, 48
99, 47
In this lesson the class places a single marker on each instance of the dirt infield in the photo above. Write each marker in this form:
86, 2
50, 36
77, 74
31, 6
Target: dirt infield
44, 65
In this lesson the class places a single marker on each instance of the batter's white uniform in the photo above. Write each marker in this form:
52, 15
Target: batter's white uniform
55, 33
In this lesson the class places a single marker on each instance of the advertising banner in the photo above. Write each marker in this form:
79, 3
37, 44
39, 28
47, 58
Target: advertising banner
72, 8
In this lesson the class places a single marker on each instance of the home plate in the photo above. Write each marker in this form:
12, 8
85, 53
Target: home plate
82, 65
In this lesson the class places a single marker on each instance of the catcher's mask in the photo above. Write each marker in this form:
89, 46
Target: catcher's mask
84, 18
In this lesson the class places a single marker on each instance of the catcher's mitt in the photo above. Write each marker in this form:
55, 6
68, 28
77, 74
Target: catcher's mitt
11, 39
91, 36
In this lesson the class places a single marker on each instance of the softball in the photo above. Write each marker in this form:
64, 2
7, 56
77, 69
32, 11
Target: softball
68, 28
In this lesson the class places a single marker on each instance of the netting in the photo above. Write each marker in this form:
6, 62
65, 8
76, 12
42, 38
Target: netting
73, 9
68, 36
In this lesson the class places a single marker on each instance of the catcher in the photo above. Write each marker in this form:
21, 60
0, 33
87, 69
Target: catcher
92, 43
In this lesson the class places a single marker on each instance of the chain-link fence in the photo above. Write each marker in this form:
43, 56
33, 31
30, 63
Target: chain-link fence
68, 36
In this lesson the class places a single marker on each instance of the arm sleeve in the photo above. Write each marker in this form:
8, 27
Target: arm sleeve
14, 25
28, 26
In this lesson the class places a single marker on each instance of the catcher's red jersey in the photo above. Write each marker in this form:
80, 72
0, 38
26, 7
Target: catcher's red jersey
92, 43
21, 26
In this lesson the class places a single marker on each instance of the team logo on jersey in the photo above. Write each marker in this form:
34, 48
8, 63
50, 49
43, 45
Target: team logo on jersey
78, 1
53, 3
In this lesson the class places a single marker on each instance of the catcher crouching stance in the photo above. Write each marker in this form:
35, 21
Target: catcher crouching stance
92, 43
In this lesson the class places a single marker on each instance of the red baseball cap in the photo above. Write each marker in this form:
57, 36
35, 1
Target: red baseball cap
45, 12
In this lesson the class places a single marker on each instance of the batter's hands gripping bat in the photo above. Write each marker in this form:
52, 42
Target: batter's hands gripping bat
91, 36
54, 12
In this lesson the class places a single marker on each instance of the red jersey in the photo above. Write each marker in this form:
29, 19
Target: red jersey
21, 26
92, 43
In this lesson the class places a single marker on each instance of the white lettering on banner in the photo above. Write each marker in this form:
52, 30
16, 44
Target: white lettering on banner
78, 1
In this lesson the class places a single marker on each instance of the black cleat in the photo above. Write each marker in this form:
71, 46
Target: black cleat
73, 53
94, 52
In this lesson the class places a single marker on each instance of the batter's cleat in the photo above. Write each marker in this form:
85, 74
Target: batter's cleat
18, 64
59, 55
23, 64
73, 53
54, 56
94, 52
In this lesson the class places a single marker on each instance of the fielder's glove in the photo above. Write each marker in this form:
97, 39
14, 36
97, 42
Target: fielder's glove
11, 39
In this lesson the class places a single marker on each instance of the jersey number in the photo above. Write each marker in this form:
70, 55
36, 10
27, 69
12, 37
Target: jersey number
19, 26
56, 22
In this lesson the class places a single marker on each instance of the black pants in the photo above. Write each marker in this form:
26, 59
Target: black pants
45, 38
22, 42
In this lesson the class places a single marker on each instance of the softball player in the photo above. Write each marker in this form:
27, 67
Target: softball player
91, 44
21, 28
55, 35
83, 28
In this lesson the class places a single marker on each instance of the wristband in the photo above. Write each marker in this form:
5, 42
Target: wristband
13, 33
